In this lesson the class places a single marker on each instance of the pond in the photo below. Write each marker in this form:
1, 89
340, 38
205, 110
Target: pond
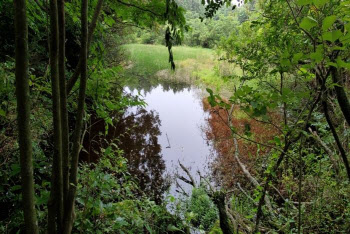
155, 138
182, 123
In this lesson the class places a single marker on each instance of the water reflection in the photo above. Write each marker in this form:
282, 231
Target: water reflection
182, 121
147, 85
173, 116
138, 137
136, 133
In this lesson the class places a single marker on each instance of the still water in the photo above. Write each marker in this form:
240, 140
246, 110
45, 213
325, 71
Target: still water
154, 138
182, 129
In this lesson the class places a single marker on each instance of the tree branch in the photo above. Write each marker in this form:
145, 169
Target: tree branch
71, 82
138, 7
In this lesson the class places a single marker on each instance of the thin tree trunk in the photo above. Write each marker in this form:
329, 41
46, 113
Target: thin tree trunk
75, 76
336, 138
341, 94
225, 225
23, 116
69, 218
55, 204
300, 185
63, 97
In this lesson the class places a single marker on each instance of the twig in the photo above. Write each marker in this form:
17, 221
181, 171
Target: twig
191, 181
326, 148
182, 189
246, 194
169, 146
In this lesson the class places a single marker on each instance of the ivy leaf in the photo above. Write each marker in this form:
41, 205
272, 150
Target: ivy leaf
308, 23
328, 22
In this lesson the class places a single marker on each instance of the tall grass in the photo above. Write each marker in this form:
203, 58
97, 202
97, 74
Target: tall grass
193, 66
149, 59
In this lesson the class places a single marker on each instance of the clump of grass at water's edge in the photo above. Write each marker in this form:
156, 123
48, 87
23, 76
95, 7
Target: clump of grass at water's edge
193, 65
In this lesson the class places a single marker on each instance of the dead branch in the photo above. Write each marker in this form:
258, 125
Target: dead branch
186, 180
246, 194
249, 176
191, 181
326, 148
242, 166
182, 189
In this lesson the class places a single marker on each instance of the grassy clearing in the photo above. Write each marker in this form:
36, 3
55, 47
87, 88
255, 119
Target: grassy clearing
149, 59
193, 65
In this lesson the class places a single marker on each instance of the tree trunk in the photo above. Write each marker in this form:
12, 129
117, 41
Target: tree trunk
63, 97
23, 116
341, 94
225, 225
92, 27
55, 204
69, 218
336, 138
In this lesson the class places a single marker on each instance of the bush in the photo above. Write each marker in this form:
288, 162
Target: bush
202, 210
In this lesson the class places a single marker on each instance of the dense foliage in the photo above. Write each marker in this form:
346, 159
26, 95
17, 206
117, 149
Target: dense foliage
277, 77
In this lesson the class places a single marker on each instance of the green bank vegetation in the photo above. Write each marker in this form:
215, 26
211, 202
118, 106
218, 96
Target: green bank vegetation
277, 78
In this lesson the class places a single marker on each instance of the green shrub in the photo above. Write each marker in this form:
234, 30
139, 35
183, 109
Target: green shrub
201, 209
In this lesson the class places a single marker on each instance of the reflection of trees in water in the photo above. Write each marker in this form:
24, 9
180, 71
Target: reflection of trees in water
136, 133
138, 138
147, 84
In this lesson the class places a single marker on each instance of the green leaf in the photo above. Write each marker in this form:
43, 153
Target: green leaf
297, 57
338, 48
307, 23
328, 22
343, 64
332, 36
172, 228
304, 2
332, 64
2, 113
320, 3
210, 91
15, 169
277, 140
317, 56
345, 38
285, 62
347, 27
15, 188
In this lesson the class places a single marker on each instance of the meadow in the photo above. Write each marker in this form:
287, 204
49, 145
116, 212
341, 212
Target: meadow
194, 65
